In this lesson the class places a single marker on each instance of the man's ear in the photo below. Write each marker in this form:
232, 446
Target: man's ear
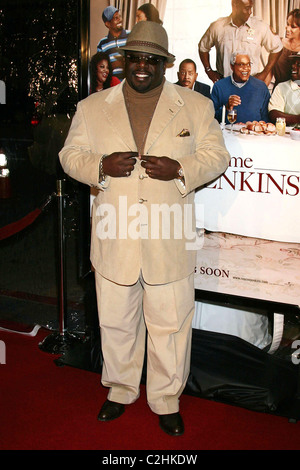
107, 24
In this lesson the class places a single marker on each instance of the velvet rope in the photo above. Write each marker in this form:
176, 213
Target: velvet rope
15, 227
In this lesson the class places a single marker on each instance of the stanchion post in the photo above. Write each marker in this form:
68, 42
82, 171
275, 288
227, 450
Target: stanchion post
60, 192
59, 342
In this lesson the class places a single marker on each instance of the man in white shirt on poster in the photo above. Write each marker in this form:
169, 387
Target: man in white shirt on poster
239, 31
285, 99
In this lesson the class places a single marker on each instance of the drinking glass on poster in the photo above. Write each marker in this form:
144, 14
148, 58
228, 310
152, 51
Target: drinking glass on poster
280, 126
232, 116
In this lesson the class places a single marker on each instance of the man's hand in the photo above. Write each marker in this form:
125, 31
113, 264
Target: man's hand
119, 164
233, 100
160, 168
214, 76
262, 76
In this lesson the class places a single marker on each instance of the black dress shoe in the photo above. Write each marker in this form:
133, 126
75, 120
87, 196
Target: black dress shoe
110, 410
172, 424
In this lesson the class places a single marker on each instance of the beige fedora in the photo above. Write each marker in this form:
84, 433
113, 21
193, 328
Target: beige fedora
149, 37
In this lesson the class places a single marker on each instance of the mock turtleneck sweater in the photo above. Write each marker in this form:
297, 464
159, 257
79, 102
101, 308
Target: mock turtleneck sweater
141, 108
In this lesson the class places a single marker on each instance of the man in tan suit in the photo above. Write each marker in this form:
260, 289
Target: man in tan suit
146, 144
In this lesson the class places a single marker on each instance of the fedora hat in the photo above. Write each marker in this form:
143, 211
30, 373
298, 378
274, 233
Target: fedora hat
149, 37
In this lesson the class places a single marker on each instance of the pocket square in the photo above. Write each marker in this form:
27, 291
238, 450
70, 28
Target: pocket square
184, 133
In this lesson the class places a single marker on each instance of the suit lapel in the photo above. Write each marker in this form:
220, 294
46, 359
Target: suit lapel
169, 104
115, 111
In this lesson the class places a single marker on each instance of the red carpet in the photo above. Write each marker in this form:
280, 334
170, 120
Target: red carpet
46, 407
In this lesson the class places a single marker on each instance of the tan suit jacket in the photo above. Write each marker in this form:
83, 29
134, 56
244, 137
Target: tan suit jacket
126, 238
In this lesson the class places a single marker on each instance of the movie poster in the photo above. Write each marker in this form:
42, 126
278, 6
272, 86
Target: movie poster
250, 214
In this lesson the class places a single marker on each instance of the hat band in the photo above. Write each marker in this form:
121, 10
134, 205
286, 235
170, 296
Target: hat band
147, 44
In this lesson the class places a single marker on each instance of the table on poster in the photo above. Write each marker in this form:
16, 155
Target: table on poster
251, 245
259, 194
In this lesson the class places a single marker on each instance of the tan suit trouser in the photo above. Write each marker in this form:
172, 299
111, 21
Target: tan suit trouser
125, 312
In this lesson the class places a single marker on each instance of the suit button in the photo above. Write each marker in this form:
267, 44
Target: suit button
141, 201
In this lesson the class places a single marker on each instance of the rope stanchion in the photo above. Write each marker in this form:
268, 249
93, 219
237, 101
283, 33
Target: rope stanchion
59, 342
